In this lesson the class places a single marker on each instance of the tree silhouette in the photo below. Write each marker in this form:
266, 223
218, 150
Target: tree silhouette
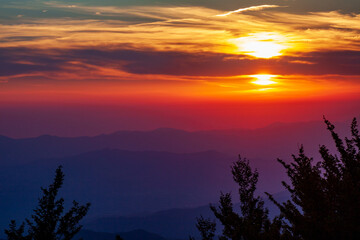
207, 228
325, 196
14, 233
48, 221
117, 237
324, 204
253, 223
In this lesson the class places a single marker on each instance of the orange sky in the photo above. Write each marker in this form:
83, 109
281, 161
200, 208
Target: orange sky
180, 54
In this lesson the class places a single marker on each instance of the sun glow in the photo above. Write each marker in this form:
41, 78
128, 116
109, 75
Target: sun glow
263, 79
261, 45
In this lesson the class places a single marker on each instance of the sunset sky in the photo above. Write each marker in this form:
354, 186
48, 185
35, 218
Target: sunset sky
86, 67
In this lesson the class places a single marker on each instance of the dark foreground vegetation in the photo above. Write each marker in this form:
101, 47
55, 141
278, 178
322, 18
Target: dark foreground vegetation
324, 204
49, 222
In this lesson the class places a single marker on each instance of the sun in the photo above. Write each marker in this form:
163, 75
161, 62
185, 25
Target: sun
262, 49
263, 79
261, 45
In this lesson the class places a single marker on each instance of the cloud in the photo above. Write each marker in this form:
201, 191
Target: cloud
176, 44
135, 74
131, 64
252, 8
173, 63
15, 61
186, 29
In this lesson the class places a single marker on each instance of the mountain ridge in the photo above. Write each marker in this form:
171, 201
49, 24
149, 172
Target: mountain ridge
271, 140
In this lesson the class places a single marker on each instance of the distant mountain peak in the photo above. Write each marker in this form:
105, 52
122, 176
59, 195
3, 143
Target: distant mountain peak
164, 129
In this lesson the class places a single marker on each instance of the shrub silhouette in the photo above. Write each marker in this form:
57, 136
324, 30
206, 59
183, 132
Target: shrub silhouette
48, 221
324, 204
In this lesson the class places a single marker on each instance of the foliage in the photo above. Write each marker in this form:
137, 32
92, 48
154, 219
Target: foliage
48, 221
14, 233
206, 228
325, 197
117, 237
253, 223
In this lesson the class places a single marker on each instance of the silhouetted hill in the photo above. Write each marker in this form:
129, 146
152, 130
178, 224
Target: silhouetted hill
119, 182
277, 140
131, 235
154, 170
173, 223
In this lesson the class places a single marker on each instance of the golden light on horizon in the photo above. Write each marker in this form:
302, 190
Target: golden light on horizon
263, 79
261, 45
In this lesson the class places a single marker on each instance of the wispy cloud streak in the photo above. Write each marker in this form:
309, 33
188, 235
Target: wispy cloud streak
252, 8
